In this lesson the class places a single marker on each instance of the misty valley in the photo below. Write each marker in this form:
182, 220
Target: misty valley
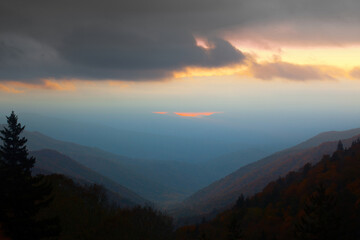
307, 191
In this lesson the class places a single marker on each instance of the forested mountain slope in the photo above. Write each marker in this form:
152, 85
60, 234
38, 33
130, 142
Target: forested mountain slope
315, 202
156, 180
54, 162
253, 177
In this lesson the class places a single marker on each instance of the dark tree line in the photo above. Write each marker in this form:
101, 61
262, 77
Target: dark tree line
22, 196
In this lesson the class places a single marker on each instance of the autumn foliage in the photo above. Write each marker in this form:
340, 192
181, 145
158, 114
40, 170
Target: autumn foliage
316, 202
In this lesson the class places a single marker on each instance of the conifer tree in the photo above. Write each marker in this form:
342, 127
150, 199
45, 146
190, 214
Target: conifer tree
234, 229
21, 195
240, 201
320, 220
340, 146
13, 152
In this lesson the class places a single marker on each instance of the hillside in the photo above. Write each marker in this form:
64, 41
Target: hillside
253, 177
155, 180
84, 212
54, 162
159, 181
225, 164
315, 202
326, 137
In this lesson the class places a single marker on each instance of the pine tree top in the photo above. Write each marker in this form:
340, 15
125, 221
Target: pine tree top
13, 152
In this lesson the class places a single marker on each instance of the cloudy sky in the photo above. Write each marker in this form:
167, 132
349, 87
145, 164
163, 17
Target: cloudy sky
265, 59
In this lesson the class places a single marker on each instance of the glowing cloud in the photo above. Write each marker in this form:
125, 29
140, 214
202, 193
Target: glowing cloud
7, 89
195, 114
295, 72
45, 84
208, 72
160, 112
203, 43
63, 86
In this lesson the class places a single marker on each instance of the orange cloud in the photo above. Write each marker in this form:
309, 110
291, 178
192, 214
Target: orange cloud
59, 86
7, 89
195, 114
291, 62
160, 112
208, 72
355, 73
49, 84
268, 70
297, 72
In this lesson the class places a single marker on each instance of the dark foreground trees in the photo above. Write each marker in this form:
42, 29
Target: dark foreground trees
85, 213
29, 203
22, 196
320, 220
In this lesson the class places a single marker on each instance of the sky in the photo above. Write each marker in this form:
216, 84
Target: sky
287, 68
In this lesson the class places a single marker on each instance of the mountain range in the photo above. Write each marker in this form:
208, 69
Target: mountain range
251, 178
167, 183
51, 161
134, 144
318, 201
156, 180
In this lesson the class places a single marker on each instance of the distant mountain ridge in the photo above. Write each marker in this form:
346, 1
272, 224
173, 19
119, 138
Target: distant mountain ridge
253, 177
155, 180
54, 162
326, 137
140, 145
167, 182
126, 171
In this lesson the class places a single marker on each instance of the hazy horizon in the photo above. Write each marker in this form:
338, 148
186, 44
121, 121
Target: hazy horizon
218, 128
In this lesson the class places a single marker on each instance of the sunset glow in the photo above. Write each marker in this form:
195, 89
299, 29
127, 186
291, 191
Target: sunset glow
45, 84
344, 57
203, 43
195, 114
160, 112
9, 89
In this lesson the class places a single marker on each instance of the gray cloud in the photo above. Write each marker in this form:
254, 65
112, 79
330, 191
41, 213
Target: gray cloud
268, 71
141, 39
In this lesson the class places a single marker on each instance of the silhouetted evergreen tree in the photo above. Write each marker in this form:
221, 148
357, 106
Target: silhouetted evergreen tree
234, 228
305, 170
21, 195
320, 220
263, 235
240, 201
203, 236
13, 152
340, 146
357, 141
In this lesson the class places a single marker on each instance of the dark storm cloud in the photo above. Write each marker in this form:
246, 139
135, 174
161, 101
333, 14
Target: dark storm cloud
133, 51
137, 39
127, 40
